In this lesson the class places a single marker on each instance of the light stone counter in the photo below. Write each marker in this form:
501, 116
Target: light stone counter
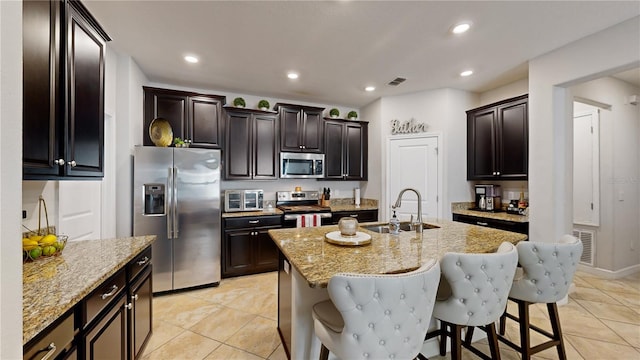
463, 209
53, 285
317, 260
311, 261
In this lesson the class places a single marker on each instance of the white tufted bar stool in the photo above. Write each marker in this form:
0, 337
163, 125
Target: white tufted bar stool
547, 273
377, 316
473, 292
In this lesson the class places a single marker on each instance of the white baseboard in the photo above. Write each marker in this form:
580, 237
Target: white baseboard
609, 274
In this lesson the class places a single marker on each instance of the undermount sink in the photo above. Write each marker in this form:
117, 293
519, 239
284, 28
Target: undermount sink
404, 226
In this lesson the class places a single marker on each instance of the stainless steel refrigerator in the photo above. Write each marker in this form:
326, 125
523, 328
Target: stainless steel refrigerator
176, 196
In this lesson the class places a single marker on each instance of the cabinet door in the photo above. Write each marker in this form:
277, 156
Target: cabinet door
311, 131
166, 104
237, 250
333, 156
355, 147
266, 252
265, 152
85, 100
481, 134
108, 338
204, 124
238, 146
141, 319
290, 125
512, 147
41, 91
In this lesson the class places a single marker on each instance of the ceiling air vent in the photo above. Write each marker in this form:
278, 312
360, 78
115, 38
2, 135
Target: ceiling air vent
397, 81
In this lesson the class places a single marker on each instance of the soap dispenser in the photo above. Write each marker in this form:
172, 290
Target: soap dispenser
394, 224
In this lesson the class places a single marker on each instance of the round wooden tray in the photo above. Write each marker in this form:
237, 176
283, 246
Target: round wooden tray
360, 238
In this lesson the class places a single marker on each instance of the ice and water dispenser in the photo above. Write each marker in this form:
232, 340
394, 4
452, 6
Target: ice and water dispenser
154, 199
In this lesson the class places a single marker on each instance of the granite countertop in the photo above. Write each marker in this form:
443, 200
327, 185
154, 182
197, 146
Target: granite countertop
463, 209
318, 260
275, 211
53, 285
346, 204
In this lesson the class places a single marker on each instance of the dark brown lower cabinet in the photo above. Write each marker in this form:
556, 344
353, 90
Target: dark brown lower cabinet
247, 247
361, 215
519, 227
107, 339
141, 319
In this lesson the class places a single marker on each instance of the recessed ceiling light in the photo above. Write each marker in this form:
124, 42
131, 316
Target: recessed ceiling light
292, 75
466, 73
369, 88
191, 59
461, 28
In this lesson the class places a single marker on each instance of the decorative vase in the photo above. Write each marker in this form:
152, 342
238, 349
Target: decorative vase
348, 226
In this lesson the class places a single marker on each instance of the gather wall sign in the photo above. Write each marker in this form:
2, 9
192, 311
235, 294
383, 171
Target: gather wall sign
407, 127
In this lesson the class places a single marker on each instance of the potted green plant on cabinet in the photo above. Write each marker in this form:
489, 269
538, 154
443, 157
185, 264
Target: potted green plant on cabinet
263, 105
239, 102
334, 113
352, 115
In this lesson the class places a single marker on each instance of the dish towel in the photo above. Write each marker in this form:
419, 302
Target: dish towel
308, 220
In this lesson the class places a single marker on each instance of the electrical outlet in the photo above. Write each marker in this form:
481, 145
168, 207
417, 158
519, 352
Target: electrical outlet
24, 214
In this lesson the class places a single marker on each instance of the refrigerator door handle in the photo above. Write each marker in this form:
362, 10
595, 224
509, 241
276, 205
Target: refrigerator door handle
176, 225
170, 204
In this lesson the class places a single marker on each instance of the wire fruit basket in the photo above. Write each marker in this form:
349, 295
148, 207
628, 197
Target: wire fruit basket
43, 242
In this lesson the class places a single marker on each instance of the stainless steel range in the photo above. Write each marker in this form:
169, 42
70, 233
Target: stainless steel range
296, 203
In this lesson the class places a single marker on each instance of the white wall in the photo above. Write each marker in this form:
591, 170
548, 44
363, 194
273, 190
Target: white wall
550, 119
618, 236
372, 189
444, 112
10, 181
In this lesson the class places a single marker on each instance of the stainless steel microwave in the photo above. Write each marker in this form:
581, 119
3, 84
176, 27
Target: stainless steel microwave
301, 166
243, 200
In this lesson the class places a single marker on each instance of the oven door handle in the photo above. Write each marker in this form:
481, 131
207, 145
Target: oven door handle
294, 216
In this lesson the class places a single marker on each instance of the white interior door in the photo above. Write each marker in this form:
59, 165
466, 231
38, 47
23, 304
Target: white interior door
79, 209
413, 163
586, 168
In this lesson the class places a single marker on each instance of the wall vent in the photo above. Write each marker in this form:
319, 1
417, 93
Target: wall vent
588, 238
397, 81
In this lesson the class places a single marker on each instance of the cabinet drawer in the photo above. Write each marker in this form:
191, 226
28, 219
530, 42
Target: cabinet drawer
361, 215
252, 221
103, 296
54, 342
139, 263
519, 227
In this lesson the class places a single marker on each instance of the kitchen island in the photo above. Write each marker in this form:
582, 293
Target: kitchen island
54, 286
307, 262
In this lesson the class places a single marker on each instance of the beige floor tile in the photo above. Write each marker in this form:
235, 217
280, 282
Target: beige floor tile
591, 349
221, 295
187, 345
222, 323
183, 310
552, 353
629, 332
612, 285
589, 327
611, 312
259, 303
162, 333
572, 309
625, 298
259, 336
278, 354
579, 281
592, 294
227, 352
634, 283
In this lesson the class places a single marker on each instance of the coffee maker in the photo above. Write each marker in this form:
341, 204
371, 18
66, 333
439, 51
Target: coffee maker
488, 197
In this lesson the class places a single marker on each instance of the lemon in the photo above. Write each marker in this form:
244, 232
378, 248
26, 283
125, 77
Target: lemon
28, 244
36, 238
48, 239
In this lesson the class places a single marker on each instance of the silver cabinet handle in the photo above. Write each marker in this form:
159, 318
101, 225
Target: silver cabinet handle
72, 163
50, 350
128, 306
482, 223
134, 297
58, 162
170, 204
176, 226
497, 172
353, 215
254, 221
143, 261
114, 289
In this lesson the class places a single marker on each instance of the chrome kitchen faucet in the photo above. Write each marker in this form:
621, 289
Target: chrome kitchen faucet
418, 223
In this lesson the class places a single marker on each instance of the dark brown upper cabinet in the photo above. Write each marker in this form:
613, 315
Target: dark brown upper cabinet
192, 116
346, 146
300, 128
497, 141
63, 91
251, 150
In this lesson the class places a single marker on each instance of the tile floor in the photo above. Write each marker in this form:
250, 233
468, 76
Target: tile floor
238, 320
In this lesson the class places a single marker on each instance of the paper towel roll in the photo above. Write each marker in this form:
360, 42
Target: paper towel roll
357, 196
